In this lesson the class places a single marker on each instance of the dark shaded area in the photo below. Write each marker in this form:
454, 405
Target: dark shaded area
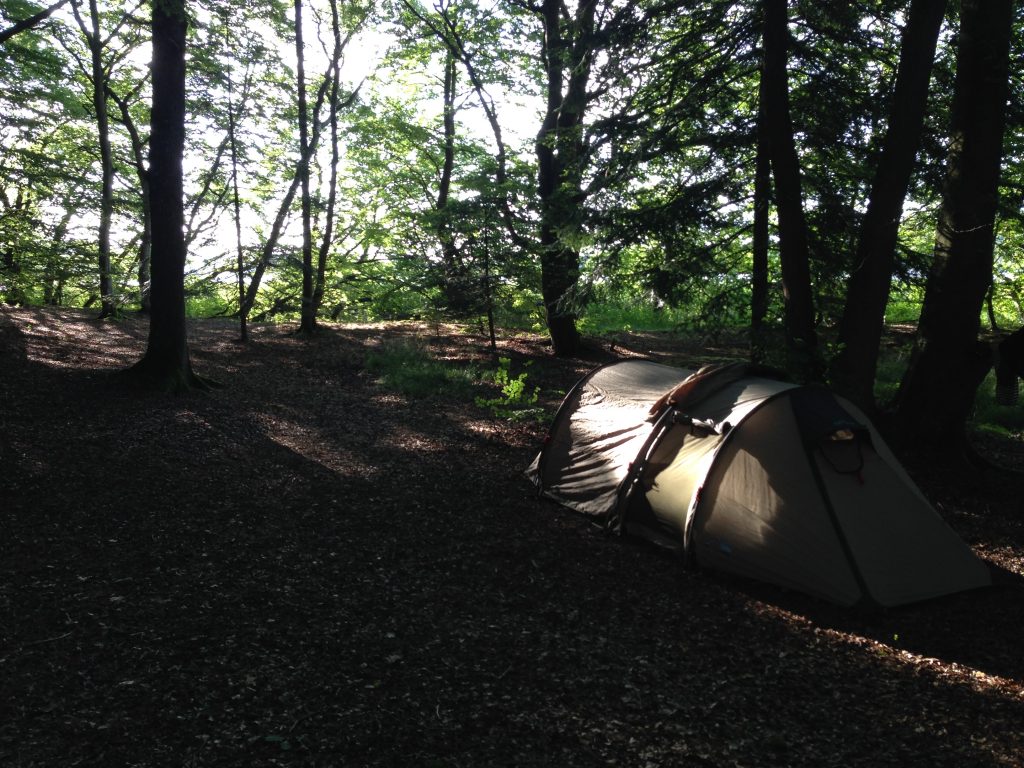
302, 568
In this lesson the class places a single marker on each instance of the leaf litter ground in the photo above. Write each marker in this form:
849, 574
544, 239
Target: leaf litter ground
302, 568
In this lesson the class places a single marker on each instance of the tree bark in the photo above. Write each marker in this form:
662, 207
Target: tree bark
166, 364
146, 239
560, 155
307, 324
319, 285
94, 40
860, 330
452, 281
236, 204
801, 337
761, 240
949, 362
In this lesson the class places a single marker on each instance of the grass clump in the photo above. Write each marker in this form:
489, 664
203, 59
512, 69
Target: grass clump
406, 366
603, 317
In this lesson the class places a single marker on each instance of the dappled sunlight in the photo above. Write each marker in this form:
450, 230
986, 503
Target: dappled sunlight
388, 400
407, 439
315, 445
74, 339
897, 664
1007, 557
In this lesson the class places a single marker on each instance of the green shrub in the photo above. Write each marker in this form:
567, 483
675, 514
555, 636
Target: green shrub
616, 316
406, 366
205, 298
518, 400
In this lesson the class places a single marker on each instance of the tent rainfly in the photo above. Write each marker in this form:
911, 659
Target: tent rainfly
752, 475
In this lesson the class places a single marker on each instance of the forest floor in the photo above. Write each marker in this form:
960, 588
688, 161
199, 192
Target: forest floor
303, 568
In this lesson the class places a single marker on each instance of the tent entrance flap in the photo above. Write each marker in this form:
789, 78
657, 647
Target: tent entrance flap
673, 433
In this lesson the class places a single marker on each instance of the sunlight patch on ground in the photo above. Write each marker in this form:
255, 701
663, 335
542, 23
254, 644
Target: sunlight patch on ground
65, 339
388, 400
406, 439
316, 446
1006, 557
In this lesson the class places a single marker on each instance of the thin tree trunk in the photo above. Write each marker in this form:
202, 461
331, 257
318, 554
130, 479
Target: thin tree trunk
243, 331
990, 310
448, 131
448, 33
53, 294
99, 101
332, 192
759, 257
277, 227
801, 337
146, 240
860, 330
488, 294
949, 362
452, 277
268, 247
308, 315
166, 364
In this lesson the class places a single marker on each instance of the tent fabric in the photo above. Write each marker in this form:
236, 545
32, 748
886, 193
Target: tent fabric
707, 381
755, 476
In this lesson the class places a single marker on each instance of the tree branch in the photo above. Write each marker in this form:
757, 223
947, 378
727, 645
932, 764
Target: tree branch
32, 21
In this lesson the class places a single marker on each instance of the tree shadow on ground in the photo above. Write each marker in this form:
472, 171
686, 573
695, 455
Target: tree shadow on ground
978, 629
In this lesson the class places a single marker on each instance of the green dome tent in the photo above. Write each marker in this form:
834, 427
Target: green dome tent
752, 475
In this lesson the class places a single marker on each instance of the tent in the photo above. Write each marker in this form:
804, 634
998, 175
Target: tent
747, 473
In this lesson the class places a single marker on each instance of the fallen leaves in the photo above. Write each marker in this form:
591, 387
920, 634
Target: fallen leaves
302, 569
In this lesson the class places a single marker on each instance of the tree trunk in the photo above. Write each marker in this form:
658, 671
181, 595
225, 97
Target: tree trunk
146, 240
332, 193
860, 330
937, 392
166, 365
53, 282
236, 205
801, 337
267, 251
243, 331
447, 31
277, 227
761, 239
560, 155
452, 279
146, 256
94, 40
307, 323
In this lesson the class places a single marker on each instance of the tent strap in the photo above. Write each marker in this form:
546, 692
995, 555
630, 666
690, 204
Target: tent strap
667, 418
